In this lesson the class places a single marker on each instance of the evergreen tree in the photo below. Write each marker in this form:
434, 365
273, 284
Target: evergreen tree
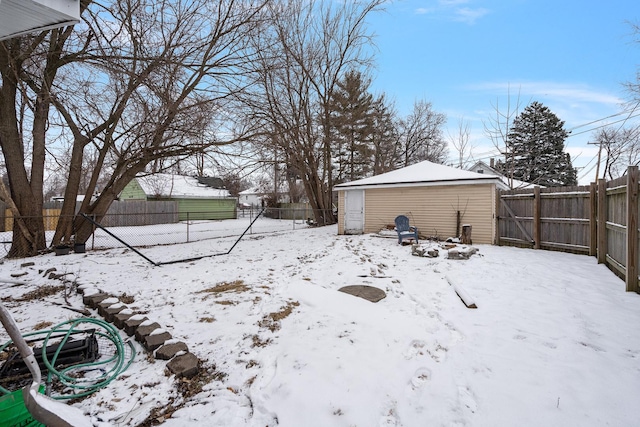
352, 117
385, 139
535, 149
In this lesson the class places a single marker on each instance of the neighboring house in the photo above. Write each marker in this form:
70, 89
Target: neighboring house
251, 197
430, 194
254, 196
482, 167
195, 200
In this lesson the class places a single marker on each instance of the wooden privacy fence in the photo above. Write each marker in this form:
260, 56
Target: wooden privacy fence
597, 220
120, 214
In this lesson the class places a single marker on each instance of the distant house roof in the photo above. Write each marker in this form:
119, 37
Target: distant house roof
422, 174
211, 181
177, 186
253, 191
511, 183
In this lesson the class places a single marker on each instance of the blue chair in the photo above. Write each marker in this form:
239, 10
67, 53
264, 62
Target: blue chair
405, 231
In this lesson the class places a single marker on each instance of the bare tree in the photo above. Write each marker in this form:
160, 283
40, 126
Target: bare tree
29, 67
461, 143
141, 81
498, 127
303, 53
621, 147
174, 87
421, 135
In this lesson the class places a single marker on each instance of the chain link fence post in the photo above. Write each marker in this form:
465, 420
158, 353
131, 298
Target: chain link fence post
188, 223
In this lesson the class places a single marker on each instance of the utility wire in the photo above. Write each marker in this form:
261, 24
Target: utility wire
598, 120
602, 126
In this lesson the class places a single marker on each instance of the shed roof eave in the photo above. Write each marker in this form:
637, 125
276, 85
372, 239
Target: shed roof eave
19, 17
493, 180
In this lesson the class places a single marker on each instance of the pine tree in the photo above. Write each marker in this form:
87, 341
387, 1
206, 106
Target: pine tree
352, 121
535, 149
385, 141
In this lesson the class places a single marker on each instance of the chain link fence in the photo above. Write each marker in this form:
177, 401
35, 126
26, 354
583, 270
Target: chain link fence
153, 229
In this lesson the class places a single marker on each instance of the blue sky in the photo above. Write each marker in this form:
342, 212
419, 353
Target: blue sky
464, 56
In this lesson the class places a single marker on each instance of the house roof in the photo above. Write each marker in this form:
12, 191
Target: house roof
253, 191
422, 174
511, 183
19, 17
178, 187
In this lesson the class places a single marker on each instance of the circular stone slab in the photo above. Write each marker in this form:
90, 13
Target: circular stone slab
363, 291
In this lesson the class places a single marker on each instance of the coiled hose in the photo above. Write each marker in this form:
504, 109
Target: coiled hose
108, 368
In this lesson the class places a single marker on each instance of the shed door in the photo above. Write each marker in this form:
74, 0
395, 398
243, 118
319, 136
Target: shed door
354, 212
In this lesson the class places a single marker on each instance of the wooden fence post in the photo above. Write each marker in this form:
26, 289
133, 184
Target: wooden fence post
593, 213
602, 221
537, 232
632, 229
496, 236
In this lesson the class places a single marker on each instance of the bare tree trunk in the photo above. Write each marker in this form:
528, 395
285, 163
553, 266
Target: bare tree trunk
28, 230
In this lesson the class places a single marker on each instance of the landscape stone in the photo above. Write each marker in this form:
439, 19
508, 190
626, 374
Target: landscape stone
82, 289
168, 351
120, 318
185, 365
93, 300
132, 323
47, 271
369, 293
110, 312
152, 342
144, 331
106, 303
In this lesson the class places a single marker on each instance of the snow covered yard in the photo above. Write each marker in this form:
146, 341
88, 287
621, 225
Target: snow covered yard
554, 340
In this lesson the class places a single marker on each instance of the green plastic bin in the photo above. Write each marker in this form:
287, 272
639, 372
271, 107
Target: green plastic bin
14, 413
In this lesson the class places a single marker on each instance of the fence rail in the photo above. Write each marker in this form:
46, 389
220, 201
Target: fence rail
163, 228
597, 220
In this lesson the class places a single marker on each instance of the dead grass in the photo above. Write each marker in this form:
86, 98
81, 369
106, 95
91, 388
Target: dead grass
41, 292
256, 341
187, 388
207, 319
42, 325
225, 302
236, 286
126, 298
272, 320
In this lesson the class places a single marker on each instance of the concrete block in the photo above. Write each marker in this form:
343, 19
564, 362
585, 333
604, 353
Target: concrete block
152, 342
168, 351
132, 323
143, 331
93, 300
104, 304
110, 312
185, 365
121, 317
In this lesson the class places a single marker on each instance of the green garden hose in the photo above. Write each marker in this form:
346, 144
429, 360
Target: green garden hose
110, 367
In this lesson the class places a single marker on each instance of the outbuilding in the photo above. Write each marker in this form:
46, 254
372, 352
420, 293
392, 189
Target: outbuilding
196, 199
438, 199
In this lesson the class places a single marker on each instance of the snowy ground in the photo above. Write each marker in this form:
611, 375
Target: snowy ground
554, 341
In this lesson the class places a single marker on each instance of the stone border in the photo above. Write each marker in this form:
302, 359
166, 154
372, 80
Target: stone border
149, 334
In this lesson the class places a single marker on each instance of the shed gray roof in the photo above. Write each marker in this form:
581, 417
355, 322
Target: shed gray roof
424, 173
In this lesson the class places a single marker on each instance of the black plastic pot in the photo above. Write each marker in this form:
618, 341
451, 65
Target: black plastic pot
62, 250
79, 248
